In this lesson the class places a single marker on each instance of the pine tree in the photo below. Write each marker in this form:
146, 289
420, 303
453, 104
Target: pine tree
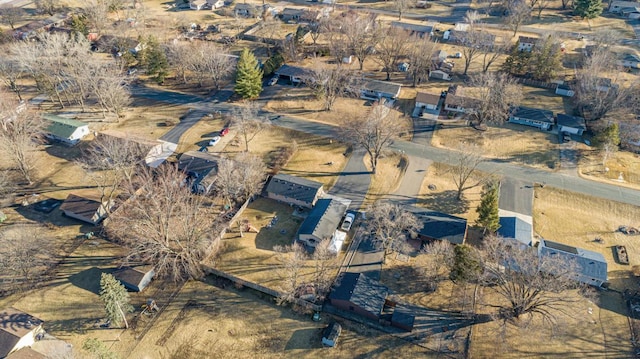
588, 9
115, 298
547, 59
153, 58
248, 76
466, 263
488, 216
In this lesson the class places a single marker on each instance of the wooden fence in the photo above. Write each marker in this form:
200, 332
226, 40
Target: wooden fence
539, 84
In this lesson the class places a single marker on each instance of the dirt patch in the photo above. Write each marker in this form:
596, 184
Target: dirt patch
509, 142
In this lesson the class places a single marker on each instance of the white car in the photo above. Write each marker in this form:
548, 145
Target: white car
214, 141
273, 81
348, 221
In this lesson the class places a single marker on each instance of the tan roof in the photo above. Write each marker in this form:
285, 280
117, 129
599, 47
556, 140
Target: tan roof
81, 206
14, 324
429, 98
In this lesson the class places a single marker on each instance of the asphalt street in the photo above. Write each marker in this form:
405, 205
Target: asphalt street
354, 180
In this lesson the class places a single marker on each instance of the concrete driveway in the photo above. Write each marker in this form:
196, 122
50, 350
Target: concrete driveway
516, 196
353, 183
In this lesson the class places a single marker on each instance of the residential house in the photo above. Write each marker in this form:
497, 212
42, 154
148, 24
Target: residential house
201, 169
619, 6
359, 294
440, 55
291, 15
330, 334
27, 353
629, 61
482, 38
456, 102
376, 90
440, 226
440, 75
246, 10
18, 330
33, 29
294, 190
534, 117
136, 278
414, 29
85, 209
516, 228
197, 4
591, 266
64, 130
571, 124
216, 4
294, 74
526, 43
427, 101
564, 90
322, 222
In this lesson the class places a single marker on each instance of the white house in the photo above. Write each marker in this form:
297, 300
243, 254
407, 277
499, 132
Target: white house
215, 4
64, 129
571, 124
526, 43
618, 6
427, 101
17, 330
439, 74
197, 4
591, 266
630, 61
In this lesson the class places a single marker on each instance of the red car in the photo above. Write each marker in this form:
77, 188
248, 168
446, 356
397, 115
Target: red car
224, 131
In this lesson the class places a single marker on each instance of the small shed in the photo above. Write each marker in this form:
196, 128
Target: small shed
85, 209
571, 124
564, 90
65, 130
440, 75
331, 334
135, 279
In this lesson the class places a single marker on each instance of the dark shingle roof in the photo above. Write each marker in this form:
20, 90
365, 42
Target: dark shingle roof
382, 86
360, 290
194, 162
81, 206
424, 29
323, 219
298, 188
571, 121
62, 127
516, 228
533, 114
441, 226
293, 71
132, 276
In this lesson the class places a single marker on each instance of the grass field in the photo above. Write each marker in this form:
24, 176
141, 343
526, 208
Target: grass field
622, 162
387, 178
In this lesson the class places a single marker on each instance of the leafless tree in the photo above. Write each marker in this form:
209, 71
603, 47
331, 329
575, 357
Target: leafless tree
438, 263
491, 52
163, 224
110, 90
475, 41
605, 38
97, 14
519, 13
330, 83
495, 95
391, 224
25, 251
47, 6
179, 55
293, 258
325, 263
270, 27
111, 163
393, 45
540, 5
420, 57
240, 178
402, 6
10, 15
249, 123
19, 131
375, 132
11, 72
217, 64
360, 33
338, 46
464, 166
529, 285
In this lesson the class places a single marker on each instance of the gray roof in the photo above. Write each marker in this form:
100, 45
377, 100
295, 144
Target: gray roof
324, 218
516, 228
200, 163
360, 290
591, 264
535, 114
332, 331
429, 98
440, 226
81, 206
131, 277
14, 325
294, 187
403, 315
292, 11
60, 126
293, 71
630, 57
382, 86
423, 29
571, 121
26, 353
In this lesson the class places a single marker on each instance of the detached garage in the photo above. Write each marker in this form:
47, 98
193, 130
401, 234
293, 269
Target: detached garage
571, 124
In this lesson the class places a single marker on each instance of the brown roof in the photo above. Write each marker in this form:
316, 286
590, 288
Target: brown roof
429, 98
527, 40
26, 353
81, 206
14, 324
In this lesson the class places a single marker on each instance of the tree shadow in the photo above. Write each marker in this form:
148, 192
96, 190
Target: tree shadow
446, 202
308, 338
88, 279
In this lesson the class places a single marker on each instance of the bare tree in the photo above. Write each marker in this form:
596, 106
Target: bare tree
248, 122
163, 224
338, 46
475, 41
393, 45
330, 83
495, 95
519, 13
11, 72
240, 178
402, 6
47, 6
19, 131
10, 15
540, 5
97, 14
375, 132
438, 263
270, 27
325, 262
464, 166
490, 52
529, 285
420, 57
217, 65
293, 258
391, 224
361, 34
24, 252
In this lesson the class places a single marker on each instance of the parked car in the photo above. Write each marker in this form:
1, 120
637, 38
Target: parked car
566, 137
348, 221
214, 141
224, 131
273, 81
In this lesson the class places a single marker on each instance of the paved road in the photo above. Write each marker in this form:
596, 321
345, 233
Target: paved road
354, 180
186, 121
409, 189
367, 258
571, 183
516, 196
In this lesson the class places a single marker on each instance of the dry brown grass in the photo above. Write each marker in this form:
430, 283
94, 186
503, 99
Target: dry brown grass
545, 99
387, 178
622, 162
148, 118
511, 142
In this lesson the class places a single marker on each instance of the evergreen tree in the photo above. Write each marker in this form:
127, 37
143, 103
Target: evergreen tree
98, 349
466, 263
518, 62
80, 24
248, 76
588, 9
115, 298
488, 216
153, 58
546, 59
